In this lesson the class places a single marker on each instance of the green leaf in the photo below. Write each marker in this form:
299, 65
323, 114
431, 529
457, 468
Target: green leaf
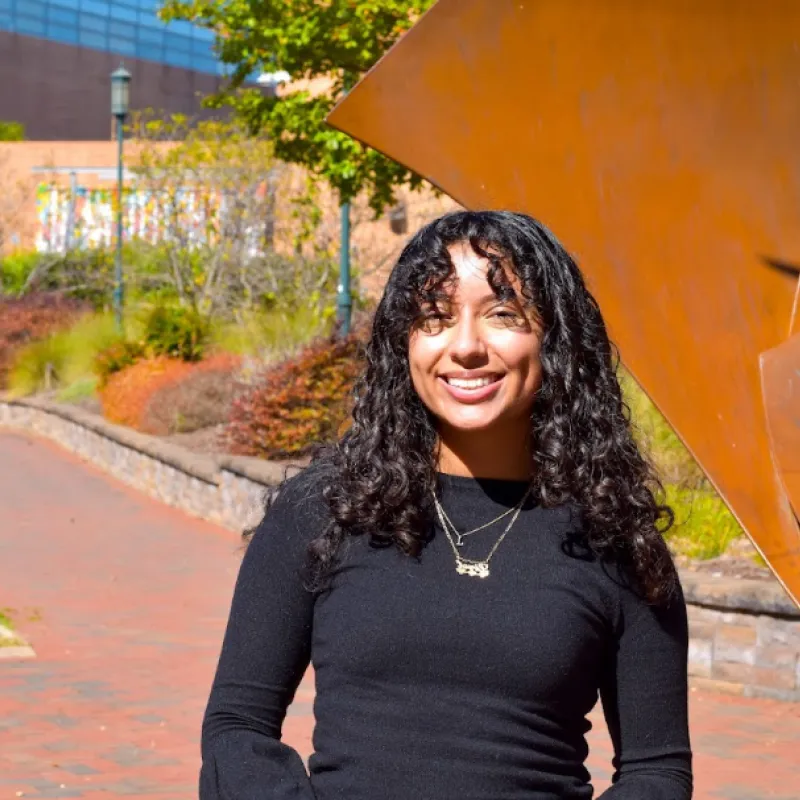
333, 40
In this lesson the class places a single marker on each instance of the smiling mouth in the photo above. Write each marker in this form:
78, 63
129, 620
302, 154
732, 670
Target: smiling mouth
471, 383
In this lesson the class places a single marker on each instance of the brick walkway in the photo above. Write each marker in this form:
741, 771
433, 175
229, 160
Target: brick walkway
124, 601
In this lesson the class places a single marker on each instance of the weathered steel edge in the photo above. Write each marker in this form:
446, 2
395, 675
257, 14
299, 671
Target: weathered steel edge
724, 594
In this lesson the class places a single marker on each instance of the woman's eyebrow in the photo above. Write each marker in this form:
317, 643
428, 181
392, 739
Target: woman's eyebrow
489, 298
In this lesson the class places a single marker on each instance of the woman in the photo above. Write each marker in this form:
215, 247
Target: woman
476, 559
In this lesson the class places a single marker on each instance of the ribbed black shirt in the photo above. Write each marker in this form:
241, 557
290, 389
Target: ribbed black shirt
436, 686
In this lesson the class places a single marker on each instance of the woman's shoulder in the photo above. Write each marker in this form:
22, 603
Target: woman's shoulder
605, 568
295, 510
300, 494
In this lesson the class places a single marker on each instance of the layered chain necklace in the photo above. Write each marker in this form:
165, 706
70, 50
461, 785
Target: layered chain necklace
468, 566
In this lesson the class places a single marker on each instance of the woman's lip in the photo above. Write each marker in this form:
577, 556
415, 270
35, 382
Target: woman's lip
472, 395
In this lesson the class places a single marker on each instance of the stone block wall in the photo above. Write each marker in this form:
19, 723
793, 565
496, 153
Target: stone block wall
745, 640
744, 634
229, 490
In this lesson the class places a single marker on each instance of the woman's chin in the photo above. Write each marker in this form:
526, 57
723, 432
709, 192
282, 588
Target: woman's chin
473, 423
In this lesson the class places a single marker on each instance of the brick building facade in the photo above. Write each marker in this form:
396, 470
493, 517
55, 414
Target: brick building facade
61, 92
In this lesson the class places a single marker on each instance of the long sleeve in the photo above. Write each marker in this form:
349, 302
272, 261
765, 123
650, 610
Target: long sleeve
645, 701
264, 656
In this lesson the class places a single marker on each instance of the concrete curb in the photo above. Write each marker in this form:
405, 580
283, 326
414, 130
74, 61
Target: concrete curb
738, 595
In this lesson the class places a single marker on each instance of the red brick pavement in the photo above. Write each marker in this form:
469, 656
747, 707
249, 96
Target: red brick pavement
124, 601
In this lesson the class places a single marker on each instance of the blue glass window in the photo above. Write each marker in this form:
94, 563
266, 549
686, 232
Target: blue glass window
150, 36
180, 44
150, 52
181, 26
30, 25
89, 22
62, 33
117, 44
125, 27
121, 29
91, 39
178, 59
95, 7
202, 48
206, 65
123, 12
32, 9
62, 16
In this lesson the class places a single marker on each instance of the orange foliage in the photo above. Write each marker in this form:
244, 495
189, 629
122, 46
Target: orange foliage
124, 396
299, 403
143, 395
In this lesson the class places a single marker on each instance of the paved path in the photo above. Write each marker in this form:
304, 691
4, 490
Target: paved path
125, 600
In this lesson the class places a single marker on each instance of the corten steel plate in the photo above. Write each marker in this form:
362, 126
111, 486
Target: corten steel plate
659, 141
780, 378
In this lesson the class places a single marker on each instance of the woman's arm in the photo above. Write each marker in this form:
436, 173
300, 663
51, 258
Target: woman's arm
645, 703
264, 655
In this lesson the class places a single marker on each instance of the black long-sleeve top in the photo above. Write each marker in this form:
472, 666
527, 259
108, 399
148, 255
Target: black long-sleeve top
432, 685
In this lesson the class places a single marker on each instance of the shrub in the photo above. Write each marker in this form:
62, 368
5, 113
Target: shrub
38, 366
199, 398
63, 358
15, 270
30, 318
11, 131
116, 357
673, 461
125, 394
276, 333
164, 395
176, 332
298, 403
704, 527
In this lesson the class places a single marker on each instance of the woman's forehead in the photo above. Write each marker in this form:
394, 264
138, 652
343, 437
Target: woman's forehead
474, 273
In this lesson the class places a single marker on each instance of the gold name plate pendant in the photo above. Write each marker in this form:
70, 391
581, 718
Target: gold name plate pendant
479, 570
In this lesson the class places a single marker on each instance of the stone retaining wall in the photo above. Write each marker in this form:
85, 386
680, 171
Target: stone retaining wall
744, 637
228, 490
744, 634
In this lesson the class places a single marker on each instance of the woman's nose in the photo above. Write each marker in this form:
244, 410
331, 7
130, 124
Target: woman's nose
468, 343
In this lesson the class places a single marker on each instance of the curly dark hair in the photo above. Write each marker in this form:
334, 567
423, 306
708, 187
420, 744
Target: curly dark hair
381, 473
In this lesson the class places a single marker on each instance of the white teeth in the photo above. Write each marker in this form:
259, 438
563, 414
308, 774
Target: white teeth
470, 383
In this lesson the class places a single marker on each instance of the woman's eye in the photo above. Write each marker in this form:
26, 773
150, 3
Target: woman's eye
434, 320
508, 316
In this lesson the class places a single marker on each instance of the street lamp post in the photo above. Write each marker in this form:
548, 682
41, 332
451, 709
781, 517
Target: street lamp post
120, 94
344, 300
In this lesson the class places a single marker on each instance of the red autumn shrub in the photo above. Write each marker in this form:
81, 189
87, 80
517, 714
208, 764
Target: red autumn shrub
116, 357
298, 403
33, 317
163, 395
196, 399
125, 394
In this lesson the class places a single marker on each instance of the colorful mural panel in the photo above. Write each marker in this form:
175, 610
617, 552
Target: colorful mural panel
81, 217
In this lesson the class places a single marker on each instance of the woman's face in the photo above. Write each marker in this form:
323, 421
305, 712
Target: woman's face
474, 360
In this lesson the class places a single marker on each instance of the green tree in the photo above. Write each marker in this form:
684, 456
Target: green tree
334, 40
11, 131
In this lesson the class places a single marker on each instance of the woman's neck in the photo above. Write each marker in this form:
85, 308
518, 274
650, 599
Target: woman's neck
485, 454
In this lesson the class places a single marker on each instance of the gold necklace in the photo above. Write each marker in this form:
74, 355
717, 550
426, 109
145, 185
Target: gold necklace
461, 536
468, 566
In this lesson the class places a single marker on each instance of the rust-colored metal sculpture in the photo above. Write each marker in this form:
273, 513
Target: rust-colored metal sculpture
659, 141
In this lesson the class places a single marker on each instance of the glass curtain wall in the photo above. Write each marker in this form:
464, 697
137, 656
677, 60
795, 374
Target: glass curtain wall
123, 27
